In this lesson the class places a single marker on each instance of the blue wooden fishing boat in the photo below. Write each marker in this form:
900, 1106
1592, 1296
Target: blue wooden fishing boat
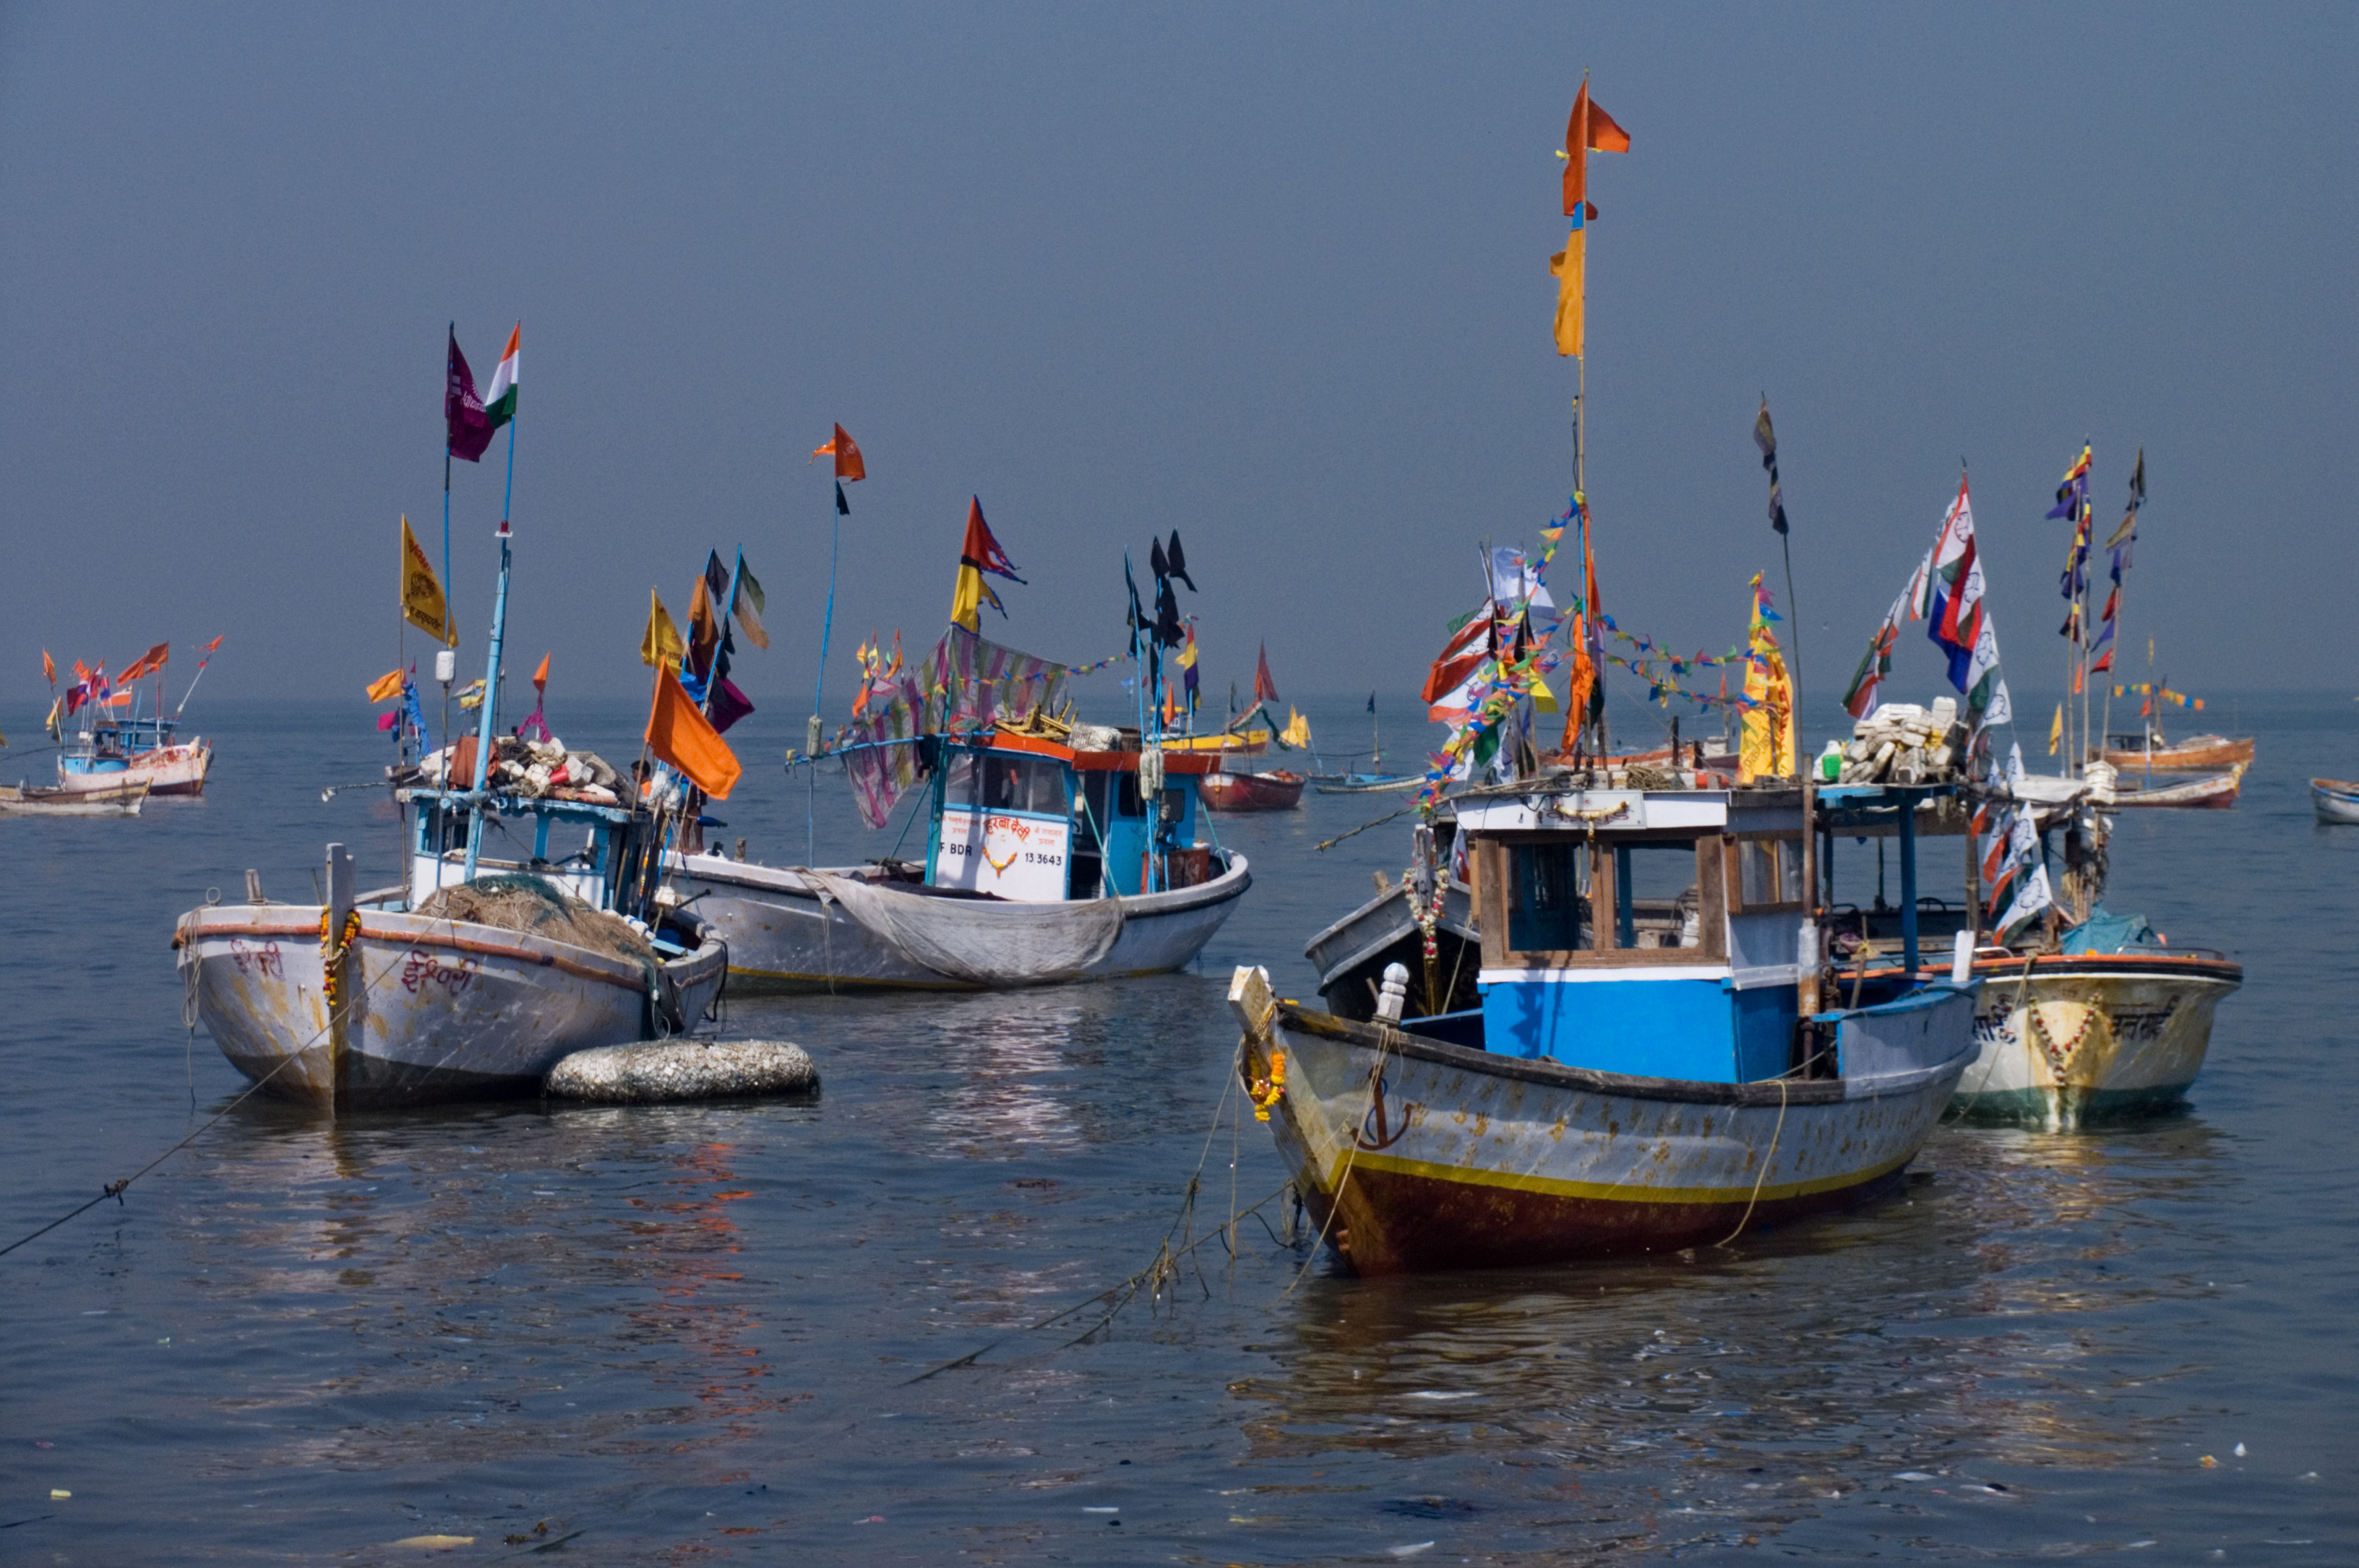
1640, 1074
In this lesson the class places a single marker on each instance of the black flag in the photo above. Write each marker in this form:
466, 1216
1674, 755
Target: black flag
1179, 563
1766, 439
842, 509
1139, 622
1168, 630
1156, 560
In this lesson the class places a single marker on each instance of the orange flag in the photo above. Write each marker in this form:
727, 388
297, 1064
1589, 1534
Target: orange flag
149, 662
846, 452
541, 675
1590, 129
679, 734
385, 687
49, 667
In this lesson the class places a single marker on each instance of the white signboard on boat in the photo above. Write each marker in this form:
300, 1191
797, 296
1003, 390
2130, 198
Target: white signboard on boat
1015, 855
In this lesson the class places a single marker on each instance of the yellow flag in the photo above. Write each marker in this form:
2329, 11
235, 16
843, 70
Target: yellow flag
1766, 750
2056, 731
1297, 733
661, 648
1543, 700
1566, 266
387, 686
422, 603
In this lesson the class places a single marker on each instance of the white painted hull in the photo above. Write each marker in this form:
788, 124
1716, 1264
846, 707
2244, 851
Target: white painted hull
439, 1009
2087, 1037
172, 770
2337, 800
1416, 1155
783, 938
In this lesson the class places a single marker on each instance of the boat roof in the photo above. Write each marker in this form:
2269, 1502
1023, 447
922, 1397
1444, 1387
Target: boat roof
1082, 762
1541, 806
506, 805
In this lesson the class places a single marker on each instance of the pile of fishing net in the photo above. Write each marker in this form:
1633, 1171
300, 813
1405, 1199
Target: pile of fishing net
538, 907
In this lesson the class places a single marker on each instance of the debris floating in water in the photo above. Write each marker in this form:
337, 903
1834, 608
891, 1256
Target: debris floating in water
678, 1069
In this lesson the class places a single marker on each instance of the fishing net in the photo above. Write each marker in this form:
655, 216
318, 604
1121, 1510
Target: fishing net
539, 908
983, 942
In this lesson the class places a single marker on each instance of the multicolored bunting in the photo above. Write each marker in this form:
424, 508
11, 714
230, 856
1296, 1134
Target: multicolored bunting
2154, 691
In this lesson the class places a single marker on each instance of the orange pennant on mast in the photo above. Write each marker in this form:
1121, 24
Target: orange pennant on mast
679, 735
846, 452
541, 675
1590, 129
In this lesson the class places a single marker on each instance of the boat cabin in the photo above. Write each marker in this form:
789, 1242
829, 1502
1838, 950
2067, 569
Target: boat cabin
1658, 933
1029, 819
594, 852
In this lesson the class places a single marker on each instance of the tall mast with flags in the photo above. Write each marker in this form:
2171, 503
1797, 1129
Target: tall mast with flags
1590, 129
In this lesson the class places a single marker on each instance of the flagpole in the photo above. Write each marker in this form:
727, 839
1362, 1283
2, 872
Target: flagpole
819, 683
449, 588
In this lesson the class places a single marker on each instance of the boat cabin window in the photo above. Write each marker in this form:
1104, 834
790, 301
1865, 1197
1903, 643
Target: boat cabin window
1000, 781
1765, 873
1561, 901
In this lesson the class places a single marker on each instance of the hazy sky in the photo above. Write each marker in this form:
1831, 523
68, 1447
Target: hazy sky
1275, 277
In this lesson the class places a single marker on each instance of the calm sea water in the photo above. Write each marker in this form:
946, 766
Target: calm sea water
688, 1335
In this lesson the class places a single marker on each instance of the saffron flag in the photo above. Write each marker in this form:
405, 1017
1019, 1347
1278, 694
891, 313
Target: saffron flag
660, 647
848, 465
1766, 747
49, 667
150, 663
500, 402
680, 736
980, 554
387, 686
540, 677
1590, 129
422, 603
703, 635
1565, 266
1265, 689
467, 430
750, 604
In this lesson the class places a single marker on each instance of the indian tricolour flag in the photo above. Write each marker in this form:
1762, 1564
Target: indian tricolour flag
499, 403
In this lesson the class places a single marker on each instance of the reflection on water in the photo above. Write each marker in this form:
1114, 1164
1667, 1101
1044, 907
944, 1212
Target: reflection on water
1008, 1057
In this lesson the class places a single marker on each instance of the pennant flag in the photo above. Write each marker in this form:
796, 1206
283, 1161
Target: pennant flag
1166, 615
703, 635
728, 705
471, 695
680, 736
1188, 666
660, 647
751, 604
1156, 561
422, 604
1766, 748
1264, 687
1297, 732
387, 686
980, 554
1766, 439
388, 720
843, 507
500, 403
1139, 622
1859, 699
1543, 699
1955, 585
540, 677
49, 667
1566, 268
467, 430
2056, 731
1178, 562
716, 577
2074, 490
147, 663
209, 648
1590, 129
2127, 530
1462, 658
848, 466
57, 709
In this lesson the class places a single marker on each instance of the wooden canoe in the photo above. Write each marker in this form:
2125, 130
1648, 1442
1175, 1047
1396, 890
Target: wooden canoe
2216, 793
2337, 800
2196, 754
1277, 790
113, 800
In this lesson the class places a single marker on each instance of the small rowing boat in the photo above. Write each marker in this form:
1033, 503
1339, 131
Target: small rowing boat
1277, 790
122, 798
2216, 793
2337, 800
1370, 784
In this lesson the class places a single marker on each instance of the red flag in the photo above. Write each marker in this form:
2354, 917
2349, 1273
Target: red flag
846, 452
467, 430
209, 648
1590, 129
1265, 689
1468, 647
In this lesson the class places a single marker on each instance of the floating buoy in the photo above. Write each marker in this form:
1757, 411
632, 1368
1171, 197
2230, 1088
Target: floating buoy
684, 1069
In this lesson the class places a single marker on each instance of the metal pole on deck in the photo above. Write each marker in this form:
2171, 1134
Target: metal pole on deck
1908, 886
484, 730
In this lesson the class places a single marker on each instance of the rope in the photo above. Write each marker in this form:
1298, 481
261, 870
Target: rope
1363, 826
1762, 1174
1386, 1036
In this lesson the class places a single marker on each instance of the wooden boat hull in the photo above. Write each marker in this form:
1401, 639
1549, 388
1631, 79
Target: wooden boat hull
1414, 1154
2081, 1038
118, 799
2198, 755
1351, 955
1277, 790
785, 939
169, 770
2217, 794
2335, 800
1367, 783
442, 1010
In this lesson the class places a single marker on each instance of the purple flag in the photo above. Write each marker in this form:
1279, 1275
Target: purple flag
470, 428
728, 705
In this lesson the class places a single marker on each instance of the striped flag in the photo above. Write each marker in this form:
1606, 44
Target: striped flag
500, 403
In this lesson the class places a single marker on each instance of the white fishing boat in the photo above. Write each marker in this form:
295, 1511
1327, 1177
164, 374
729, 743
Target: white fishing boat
109, 751
2336, 800
1607, 1095
475, 976
1046, 862
121, 798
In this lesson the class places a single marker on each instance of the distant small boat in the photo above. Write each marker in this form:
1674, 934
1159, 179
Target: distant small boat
1367, 783
2337, 800
1277, 790
2196, 754
2216, 793
122, 799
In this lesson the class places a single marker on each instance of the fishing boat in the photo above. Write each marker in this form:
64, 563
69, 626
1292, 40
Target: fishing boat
2217, 793
1279, 789
1610, 1093
1368, 783
2336, 800
2152, 753
1433, 937
473, 976
1047, 861
121, 798
107, 750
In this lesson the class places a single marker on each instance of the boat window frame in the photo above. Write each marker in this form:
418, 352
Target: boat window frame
1491, 866
1733, 871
